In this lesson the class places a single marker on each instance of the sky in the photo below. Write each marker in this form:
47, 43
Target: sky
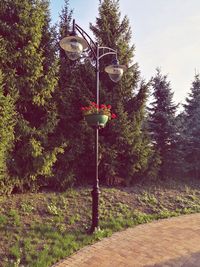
166, 34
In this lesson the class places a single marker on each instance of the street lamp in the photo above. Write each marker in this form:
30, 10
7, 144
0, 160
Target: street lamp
74, 46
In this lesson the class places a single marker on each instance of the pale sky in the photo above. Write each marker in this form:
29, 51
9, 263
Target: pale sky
166, 34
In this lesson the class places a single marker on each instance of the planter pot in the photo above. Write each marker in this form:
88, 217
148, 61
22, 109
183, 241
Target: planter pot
96, 119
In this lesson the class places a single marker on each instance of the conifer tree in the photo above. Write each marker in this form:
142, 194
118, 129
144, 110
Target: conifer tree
125, 152
30, 64
73, 92
162, 126
191, 130
7, 123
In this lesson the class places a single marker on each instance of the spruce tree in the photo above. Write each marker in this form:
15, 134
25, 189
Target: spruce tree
124, 150
30, 64
162, 126
7, 123
191, 130
73, 93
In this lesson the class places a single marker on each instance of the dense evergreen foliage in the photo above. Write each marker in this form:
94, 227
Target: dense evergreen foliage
30, 67
191, 131
75, 87
7, 123
44, 139
124, 150
162, 126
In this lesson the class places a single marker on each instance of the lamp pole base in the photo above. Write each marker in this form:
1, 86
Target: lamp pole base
95, 210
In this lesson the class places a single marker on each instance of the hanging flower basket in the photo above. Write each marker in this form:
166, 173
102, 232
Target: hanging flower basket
96, 119
97, 115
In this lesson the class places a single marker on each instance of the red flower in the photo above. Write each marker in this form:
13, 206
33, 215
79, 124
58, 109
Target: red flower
113, 116
102, 109
103, 106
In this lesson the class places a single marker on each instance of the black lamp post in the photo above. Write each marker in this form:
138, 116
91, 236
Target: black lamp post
74, 46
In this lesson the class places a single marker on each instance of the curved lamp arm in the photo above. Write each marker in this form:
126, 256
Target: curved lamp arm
84, 35
90, 41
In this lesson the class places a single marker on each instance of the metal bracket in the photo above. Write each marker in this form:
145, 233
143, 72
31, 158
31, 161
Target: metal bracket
91, 44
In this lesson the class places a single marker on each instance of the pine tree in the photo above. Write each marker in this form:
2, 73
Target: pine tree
30, 64
124, 149
191, 130
162, 126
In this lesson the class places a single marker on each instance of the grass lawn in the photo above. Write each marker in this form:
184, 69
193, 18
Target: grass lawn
40, 229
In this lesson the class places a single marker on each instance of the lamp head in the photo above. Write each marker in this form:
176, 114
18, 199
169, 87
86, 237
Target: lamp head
115, 71
73, 46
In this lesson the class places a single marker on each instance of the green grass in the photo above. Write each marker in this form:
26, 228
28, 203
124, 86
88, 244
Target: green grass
40, 229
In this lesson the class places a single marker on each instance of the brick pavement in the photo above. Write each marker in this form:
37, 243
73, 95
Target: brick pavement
172, 242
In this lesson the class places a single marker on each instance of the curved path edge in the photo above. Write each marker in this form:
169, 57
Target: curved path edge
168, 242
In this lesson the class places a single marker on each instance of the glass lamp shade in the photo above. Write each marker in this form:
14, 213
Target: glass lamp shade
115, 72
73, 46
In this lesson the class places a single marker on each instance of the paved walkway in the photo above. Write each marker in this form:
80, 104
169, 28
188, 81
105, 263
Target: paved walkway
171, 242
